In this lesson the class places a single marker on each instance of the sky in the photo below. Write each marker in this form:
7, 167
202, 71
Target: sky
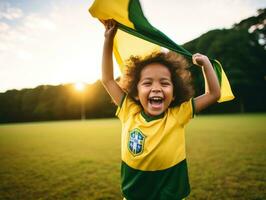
56, 42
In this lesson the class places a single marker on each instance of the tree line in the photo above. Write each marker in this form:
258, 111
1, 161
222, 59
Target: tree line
241, 50
61, 102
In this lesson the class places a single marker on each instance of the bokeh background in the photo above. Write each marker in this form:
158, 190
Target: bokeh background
58, 135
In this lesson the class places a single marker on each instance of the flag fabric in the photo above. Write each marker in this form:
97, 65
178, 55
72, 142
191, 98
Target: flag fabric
136, 36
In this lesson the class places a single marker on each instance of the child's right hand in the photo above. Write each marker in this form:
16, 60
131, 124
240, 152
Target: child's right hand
110, 28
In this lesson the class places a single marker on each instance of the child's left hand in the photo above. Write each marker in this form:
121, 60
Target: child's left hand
200, 60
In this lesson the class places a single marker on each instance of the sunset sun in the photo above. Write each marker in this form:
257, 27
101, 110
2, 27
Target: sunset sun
79, 86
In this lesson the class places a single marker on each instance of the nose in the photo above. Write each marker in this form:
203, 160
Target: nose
156, 88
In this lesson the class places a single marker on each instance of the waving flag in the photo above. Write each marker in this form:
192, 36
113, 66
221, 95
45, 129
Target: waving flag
136, 36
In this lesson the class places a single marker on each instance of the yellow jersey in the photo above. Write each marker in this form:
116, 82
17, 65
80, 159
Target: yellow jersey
153, 151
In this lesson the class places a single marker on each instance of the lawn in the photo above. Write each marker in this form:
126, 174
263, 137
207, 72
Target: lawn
81, 159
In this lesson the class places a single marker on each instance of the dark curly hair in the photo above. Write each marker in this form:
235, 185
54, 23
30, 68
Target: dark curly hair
176, 64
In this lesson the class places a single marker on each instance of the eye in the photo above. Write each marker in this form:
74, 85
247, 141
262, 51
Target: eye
166, 83
146, 83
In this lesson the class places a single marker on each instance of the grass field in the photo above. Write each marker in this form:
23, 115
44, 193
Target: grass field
81, 159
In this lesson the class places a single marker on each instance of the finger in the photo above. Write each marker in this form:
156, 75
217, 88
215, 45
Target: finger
196, 55
108, 24
194, 60
113, 23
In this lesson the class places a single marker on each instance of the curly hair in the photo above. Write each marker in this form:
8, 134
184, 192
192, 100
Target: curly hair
176, 64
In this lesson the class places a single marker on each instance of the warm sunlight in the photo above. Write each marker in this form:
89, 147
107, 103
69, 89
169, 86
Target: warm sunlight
77, 39
80, 87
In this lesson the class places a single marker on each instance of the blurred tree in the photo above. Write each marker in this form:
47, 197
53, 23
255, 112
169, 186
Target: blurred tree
242, 53
240, 49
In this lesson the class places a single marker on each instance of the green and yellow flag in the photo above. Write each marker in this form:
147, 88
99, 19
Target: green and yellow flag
136, 36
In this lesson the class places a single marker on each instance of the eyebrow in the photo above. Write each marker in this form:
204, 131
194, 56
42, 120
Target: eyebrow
165, 79
150, 79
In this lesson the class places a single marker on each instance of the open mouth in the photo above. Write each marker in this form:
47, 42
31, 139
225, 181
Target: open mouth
156, 101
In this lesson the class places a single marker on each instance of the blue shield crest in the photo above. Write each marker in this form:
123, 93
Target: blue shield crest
136, 142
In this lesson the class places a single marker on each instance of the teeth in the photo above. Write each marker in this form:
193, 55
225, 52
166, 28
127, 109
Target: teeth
156, 98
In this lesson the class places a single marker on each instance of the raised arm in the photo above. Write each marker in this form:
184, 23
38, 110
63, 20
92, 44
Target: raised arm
212, 87
108, 81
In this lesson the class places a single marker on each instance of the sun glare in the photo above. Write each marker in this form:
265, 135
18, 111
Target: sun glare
80, 87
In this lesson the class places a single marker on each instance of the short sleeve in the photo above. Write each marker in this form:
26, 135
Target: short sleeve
185, 112
126, 108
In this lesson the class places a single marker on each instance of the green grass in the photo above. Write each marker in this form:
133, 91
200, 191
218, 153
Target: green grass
81, 160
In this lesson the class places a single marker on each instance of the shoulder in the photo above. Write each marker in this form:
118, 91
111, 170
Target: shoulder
184, 112
127, 107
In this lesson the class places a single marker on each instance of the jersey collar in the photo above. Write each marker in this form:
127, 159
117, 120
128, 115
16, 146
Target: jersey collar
151, 118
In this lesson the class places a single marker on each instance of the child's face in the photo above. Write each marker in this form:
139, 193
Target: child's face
155, 89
